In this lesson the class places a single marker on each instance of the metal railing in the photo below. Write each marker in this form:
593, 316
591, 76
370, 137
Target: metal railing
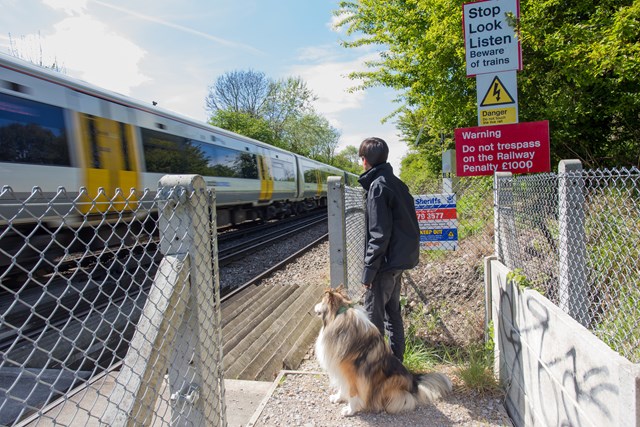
110, 308
574, 237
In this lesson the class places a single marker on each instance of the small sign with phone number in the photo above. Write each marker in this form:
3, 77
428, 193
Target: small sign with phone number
438, 221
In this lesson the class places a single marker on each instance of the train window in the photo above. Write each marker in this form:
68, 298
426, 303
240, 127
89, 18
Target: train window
222, 161
282, 171
32, 132
311, 175
16, 87
165, 153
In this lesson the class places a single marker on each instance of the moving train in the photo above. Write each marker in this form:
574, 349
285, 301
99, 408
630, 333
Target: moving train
56, 131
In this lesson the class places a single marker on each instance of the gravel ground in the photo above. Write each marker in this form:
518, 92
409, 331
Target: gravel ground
302, 399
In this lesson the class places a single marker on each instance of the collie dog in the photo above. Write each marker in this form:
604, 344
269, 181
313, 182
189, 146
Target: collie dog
361, 366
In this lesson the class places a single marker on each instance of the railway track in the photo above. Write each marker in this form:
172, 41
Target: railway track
81, 317
264, 237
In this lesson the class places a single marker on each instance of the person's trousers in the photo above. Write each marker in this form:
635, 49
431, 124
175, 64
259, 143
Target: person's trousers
382, 302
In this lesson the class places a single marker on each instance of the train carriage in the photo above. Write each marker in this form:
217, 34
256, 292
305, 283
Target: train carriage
60, 132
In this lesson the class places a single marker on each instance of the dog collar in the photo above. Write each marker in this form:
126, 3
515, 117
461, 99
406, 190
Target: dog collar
344, 308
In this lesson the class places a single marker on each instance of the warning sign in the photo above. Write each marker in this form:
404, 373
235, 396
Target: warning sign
492, 43
497, 116
497, 98
497, 94
438, 221
515, 148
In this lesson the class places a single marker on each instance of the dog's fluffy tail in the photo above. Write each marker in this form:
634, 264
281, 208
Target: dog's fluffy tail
432, 386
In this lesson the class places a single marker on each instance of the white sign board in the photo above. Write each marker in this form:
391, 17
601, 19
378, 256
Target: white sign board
491, 44
497, 98
438, 221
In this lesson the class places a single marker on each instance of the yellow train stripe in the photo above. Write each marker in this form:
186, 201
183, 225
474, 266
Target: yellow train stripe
266, 180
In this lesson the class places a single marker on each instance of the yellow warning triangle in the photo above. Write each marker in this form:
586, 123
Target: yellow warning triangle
497, 94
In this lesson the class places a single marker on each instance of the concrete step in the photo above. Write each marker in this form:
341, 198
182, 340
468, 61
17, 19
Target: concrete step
247, 297
252, 342
294, 357
249, 323
282, 336
251, 302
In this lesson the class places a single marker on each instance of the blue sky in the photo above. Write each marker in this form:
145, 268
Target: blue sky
171, 52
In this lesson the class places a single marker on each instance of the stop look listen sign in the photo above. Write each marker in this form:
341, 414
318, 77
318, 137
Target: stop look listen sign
491, 44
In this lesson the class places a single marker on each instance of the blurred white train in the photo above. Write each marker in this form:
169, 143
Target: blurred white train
56, 131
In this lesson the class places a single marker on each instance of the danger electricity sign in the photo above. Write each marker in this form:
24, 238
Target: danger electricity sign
491, 43
497, 95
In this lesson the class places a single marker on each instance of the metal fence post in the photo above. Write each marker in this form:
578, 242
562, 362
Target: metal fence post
195, 371
337, 231
573, 290
177, 331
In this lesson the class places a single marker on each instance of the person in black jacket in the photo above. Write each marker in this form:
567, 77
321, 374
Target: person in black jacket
392, 242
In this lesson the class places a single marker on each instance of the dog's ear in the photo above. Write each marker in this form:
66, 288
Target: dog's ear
342, 290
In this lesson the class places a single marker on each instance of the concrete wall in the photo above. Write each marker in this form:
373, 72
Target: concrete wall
556, 372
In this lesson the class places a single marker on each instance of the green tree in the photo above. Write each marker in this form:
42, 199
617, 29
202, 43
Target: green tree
414, 170
239, 92
311, 135
348, 159
244, 124
581, 72
289, 100
279, 113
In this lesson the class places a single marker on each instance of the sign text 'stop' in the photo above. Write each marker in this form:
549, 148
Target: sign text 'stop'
491, 44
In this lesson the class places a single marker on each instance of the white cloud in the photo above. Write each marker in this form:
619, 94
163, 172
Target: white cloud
89, 50
181, 28
330, 81
317, 53
71, 7
353, 113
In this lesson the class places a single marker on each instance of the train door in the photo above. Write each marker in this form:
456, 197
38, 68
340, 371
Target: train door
266, 178
321, 181
108, 149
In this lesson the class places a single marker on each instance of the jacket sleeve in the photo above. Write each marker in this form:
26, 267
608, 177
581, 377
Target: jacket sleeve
380, 227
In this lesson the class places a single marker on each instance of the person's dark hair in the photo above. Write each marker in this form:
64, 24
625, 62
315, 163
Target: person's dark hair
375, 150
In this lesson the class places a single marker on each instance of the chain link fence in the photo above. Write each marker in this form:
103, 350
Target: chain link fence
460, 268
110, 308
574, 237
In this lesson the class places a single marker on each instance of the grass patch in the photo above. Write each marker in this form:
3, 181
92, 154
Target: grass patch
473, 364
418, 357
476, 372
